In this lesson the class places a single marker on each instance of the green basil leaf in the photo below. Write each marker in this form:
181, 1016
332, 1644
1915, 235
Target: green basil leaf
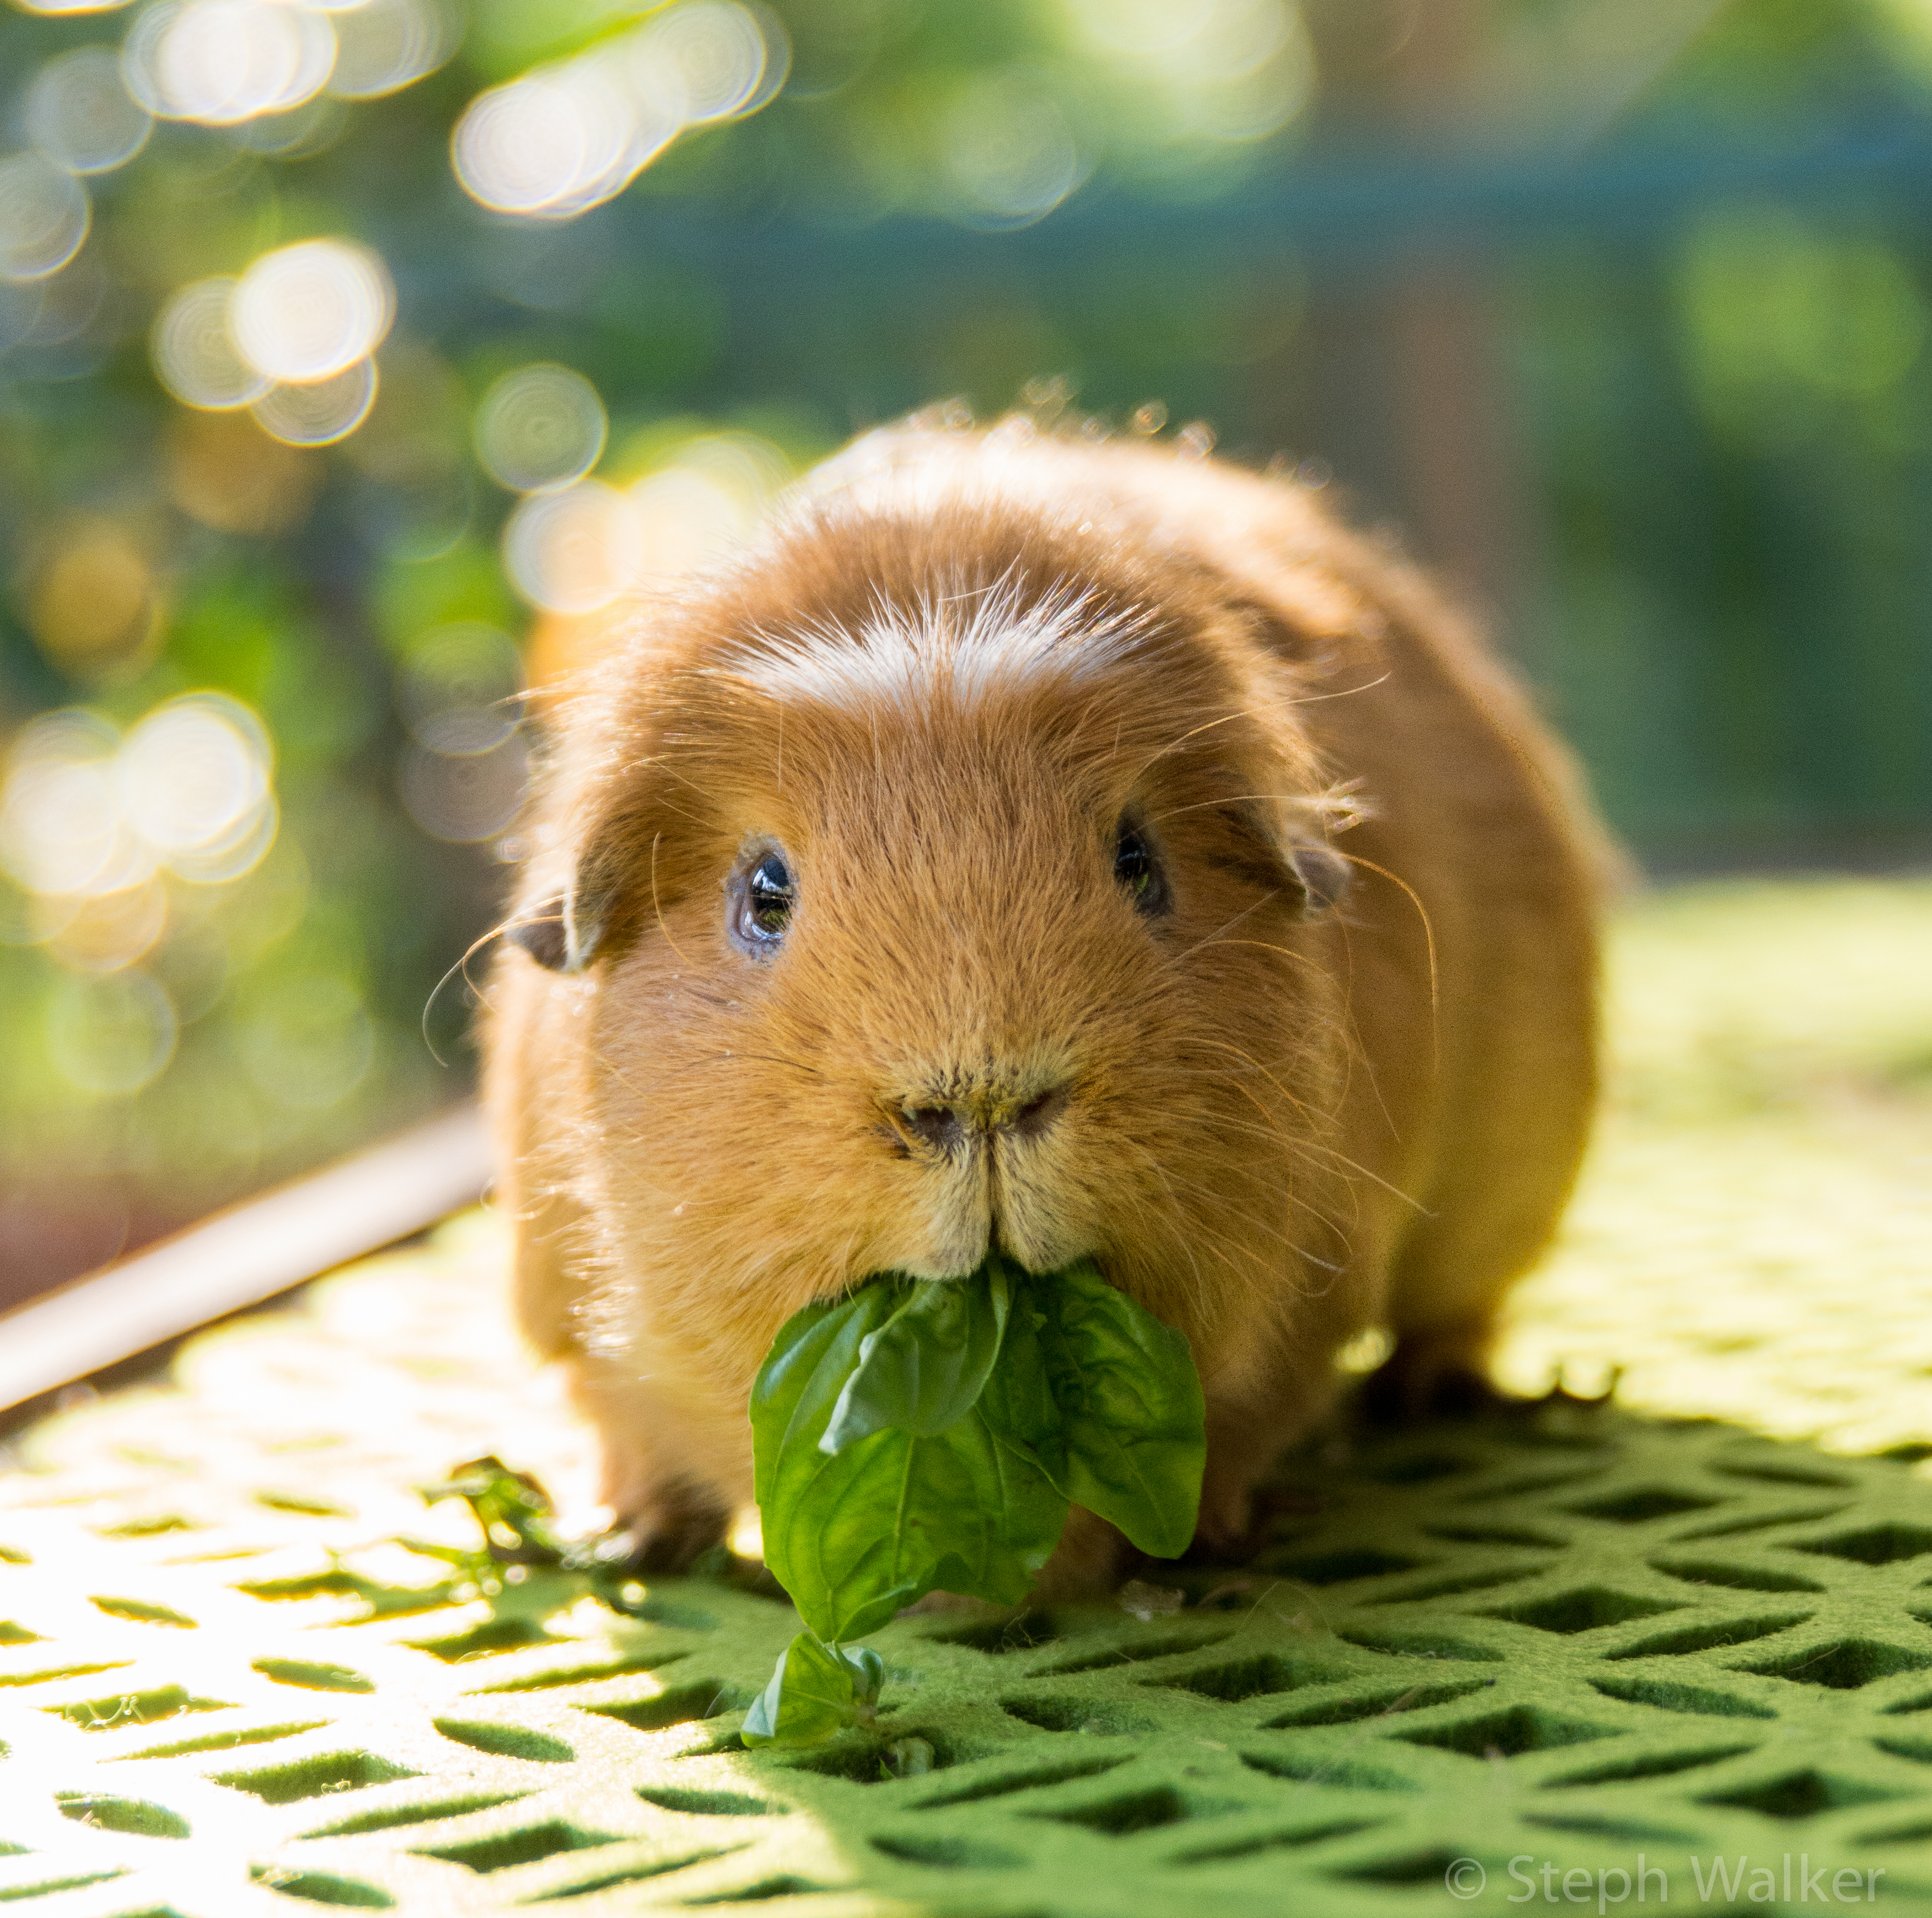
1133, 1416
855, 1537
803, 1374
812, 1694
921, 1371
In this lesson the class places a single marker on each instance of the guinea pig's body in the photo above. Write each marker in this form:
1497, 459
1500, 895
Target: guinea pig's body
969, 861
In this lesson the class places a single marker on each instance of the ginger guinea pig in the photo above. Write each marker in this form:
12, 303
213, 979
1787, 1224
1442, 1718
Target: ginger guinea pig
1087, 850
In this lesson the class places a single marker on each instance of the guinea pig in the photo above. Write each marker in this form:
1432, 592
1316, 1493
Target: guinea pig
1087, 850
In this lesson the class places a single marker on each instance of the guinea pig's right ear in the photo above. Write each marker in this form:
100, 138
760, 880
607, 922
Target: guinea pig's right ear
549, 932
1323, 874
563, 932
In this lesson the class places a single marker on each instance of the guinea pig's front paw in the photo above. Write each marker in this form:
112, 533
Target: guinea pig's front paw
1088, 1562
663, 1531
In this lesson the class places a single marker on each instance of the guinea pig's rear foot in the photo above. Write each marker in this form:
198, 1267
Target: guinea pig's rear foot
1434, 1375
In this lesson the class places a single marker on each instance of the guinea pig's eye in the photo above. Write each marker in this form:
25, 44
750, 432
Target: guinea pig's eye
1138, 872
765, 904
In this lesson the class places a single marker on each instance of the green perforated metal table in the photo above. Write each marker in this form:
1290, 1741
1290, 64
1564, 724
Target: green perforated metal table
1570, 1656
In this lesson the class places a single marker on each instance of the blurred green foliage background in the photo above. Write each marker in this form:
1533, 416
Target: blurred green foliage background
358, 357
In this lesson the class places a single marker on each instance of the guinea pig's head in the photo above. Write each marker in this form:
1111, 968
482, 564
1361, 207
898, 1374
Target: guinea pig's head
936, 884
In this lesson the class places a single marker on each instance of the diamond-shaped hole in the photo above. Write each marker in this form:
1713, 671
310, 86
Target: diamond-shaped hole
783, 1886
320, 1887
1733, 1577
1873, 1544
948, 1854
710, 1804
1252, 1678
494, 1636
1419, 1468
148, 1528
1667, 1695
392, 1817
1529, 1486
1496, 1534
106, 1813
379, 1600
1134, 1652
1455, 1587
135, 1708
1377, 1705
998, 1637
1341, 1566
631, 1874
1733, 1528
1247, 1847
224, 1741
1844, 1665
1097, 1717
1651, 1765
523, 1847
1404, 1644
1771, 1471
1800, 1794
313, 1777
1131, 1811
506, 1741
1407, 1868
1592, 1825
1589, 1608
1711, 1636
49, 1674
302, 1506
1333, 1768
313, 1677
582, 1674
140, 1612
1639, 1506
1516, 1728
680, 1705
1003, 1785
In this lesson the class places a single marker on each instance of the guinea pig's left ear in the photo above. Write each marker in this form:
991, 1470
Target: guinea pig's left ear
1323, 874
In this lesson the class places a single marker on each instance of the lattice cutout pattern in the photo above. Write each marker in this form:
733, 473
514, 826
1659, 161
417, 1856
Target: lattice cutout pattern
1574, 1637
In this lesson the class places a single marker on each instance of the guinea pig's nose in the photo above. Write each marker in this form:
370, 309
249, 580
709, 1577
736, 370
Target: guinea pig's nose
988, 1113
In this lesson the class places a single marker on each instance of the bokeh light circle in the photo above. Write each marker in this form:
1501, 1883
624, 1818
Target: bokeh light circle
194, 775
44, 215
383, 45
80, 114
573, 551
84, 813
1008, 151
710, 59
322, 413
467, 796
62, 829
540, 428
457, 689
223, 62
194, 352
551, 144
111, 1035
307, 312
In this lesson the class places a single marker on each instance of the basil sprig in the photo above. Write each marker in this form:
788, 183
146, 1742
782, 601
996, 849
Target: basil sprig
927, 1436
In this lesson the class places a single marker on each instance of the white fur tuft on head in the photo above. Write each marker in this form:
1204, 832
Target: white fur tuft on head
967, 645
